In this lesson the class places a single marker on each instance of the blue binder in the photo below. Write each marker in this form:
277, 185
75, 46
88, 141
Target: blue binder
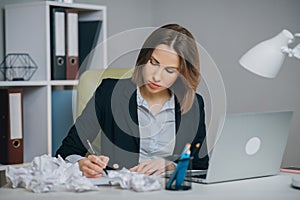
62, 116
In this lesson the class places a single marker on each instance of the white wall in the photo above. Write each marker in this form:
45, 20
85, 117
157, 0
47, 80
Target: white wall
226, 29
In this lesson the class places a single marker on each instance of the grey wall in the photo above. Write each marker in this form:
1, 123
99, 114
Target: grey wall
226, 29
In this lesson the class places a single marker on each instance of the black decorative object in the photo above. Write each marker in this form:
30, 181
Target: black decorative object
18, 67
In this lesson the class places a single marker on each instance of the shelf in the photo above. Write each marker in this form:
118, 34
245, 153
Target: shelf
38, 83
64, 83
59, 4
23, 83
28, 27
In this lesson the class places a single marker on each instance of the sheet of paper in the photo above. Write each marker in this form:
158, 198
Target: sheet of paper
103, 181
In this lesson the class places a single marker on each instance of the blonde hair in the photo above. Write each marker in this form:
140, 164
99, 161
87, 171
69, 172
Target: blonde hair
183, 43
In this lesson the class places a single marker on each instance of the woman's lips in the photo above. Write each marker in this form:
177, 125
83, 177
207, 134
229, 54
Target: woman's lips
153, 85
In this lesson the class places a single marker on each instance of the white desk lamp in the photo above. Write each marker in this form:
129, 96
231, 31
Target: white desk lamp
266, 58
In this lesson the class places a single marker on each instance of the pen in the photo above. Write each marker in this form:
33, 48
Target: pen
94, 153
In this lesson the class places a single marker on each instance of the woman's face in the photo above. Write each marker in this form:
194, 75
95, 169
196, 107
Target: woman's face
161, 70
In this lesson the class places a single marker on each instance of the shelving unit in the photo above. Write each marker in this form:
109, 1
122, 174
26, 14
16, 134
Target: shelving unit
28, 30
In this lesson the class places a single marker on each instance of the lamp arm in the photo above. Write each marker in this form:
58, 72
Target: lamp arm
295, 52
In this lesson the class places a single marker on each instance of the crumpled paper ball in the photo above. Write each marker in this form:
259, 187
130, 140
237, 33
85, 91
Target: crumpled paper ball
46, 173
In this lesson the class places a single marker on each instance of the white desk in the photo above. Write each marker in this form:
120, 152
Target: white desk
274, 187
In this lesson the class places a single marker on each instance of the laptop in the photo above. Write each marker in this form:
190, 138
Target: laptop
250, 145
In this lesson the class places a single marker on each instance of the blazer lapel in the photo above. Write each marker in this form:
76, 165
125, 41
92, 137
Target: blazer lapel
186, 126
125, 107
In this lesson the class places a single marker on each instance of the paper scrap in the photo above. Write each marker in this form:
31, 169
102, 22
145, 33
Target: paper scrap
47, 173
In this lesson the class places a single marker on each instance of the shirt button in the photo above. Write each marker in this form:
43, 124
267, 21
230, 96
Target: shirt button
116, 166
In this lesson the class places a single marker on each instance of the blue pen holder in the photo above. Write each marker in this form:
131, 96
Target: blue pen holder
179, 179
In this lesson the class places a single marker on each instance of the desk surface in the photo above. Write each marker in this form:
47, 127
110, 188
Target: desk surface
274, 187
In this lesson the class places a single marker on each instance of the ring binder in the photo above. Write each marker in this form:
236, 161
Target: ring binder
11, 126
58, 44
72, 63
89, 30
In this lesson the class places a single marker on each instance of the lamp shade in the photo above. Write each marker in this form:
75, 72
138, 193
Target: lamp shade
266, 58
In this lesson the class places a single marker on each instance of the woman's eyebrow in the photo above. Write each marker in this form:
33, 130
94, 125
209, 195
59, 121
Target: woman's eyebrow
159, 63
155, 59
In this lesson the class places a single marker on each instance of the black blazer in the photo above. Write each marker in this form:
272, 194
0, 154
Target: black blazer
113, 107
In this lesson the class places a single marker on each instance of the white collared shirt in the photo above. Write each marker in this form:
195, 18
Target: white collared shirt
157, 132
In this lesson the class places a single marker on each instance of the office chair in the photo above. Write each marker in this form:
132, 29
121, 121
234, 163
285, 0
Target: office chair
88, 83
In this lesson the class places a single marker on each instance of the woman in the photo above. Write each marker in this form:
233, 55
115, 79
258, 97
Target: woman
146, 119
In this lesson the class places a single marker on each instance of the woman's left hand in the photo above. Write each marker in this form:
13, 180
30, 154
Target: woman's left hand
157, 166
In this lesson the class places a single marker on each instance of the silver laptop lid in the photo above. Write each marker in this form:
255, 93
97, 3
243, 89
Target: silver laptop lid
250, 145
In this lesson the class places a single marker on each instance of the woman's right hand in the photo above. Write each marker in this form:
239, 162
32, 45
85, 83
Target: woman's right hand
92, 166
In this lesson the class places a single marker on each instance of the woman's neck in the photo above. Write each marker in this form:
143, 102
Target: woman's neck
155, 100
